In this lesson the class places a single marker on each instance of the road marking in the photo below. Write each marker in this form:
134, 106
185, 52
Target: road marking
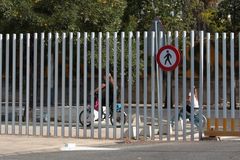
73, 147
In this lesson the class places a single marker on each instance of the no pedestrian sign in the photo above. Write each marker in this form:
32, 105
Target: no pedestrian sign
168, 58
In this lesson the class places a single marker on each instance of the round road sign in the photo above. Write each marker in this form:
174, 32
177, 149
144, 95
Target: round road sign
168, 58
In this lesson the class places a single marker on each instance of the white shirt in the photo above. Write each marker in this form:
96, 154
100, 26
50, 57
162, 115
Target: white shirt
196, 104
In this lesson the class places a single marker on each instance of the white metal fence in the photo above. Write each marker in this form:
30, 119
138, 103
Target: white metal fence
46, 80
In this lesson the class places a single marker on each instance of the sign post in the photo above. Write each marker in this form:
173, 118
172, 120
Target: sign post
168, 58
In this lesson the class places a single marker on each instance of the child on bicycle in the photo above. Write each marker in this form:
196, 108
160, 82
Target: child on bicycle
111, 88
188, 106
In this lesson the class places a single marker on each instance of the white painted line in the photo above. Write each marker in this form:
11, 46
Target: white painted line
73, 147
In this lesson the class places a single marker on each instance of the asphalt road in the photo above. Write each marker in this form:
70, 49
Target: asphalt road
207, 150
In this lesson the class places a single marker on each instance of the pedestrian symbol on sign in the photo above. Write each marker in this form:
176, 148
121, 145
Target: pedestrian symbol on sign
168, 57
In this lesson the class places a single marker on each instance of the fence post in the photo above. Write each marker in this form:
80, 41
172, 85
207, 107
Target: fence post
56, 86
14, 84
92, 81
153, 85
63, 81
232, 82
201, 84
122, 82
192, 85
176, 92
216, 82
1, 66
49, 84
28, 84
184, 85
35, 83
130, 85
70, 82
78, 83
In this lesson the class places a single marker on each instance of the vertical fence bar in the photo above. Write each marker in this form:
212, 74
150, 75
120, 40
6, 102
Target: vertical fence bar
145, 83
169, 94
107, 85
56, 86
208, 108
216, 82
224, 83
208, 82
130, 85
92, 81
161, 43
35, 83
63, 81
7, 83
1, 52
115, 83
184, 85
137, 82
201, 84
85, 86
122, 82
42, 84
13, 83
78, 84
28, 84
192, 85
238, 77
232, 82
70, 82
176, 92
153, 85
157, 46
49, 83
100, 84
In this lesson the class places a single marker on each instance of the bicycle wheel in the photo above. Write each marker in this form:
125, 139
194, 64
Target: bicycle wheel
197, 120
88, 118
118, 119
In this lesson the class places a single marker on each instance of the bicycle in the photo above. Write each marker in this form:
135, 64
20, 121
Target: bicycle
103, 116
196, 116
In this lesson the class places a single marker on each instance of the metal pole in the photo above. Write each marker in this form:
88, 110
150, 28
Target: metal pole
130, 84
41, 85
122, 82
115, 83
137, 82
92, 81
49, 84
7, 83
56, 86
35, 83
78, 83
216, 82
70, 82
201, 84
14, 84
145, 83
1, 51
28, 84
176, 92
232, 83
153, 85
208, 108
184, 85
107, 85
192, 85
224, 83
63, 81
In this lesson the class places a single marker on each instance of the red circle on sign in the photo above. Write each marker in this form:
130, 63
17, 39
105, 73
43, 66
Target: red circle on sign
177, 54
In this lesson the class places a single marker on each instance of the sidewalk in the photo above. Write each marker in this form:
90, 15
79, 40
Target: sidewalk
14, 144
